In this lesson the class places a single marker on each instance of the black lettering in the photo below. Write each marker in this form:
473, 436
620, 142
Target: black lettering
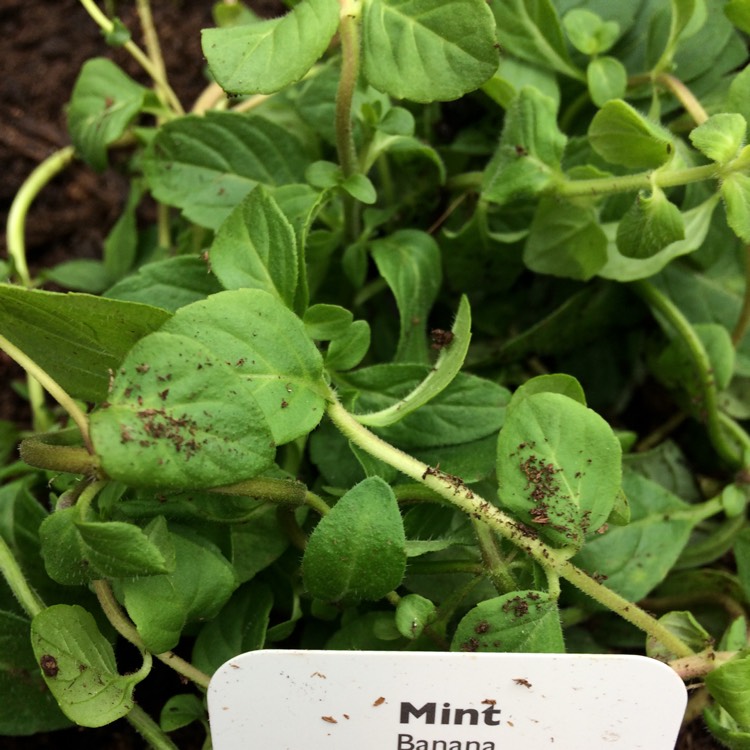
405, 742
428, 711
489, 716
472, 713
446, 714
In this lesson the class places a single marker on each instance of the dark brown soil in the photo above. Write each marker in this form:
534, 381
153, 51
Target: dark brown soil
45, 42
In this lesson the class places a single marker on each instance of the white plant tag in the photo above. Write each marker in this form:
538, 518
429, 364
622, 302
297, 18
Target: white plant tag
338, 700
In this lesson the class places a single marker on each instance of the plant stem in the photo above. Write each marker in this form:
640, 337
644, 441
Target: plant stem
479, 509
743, 321
162, 85
685, 331
685, 96
150, 37
494, 564
149, 729
11, 570
347, 153
127, 630
32, 186
36, 452
52, 387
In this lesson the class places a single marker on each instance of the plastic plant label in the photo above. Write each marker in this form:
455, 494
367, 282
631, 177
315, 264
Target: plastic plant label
336, 700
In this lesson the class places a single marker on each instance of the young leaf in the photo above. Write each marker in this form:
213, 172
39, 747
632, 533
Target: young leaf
686, 628
266, 56
725, 728
240, 626
198, 587
558, 467
588, 32
427, 50
207, 165
607, 79
357, 551
729, 685
565, 385
79, 667
738, 12
651, 224
735, 191
413, 614
256, 248
448, 365
531, 30
516, 622
565, 240
347, 352
178, 417
622, 135
409, 260
104, 103
326, 322
531, 147
76, 338
181, 710
721, 137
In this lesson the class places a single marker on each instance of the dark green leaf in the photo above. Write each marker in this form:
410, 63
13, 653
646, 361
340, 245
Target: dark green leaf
104, 103
82, 275
426, 50
558, 467
79, 667
207, 165
267, 56
255, 248
531, 147
357, 550
75, 338
520, 621
180, 711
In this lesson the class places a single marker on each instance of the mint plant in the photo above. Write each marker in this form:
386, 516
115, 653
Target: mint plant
441, 323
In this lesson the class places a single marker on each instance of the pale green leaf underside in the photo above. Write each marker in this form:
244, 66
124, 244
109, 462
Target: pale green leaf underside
428, 50
264, 57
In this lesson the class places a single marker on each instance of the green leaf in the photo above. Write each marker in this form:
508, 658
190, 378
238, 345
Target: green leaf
607, 79
636, 558
347, 351
75, 338
267, 56
103, 104
409, 261
198, 587
531, 30
121, 244
622, 135
255, 248
81, 275
244, 327
561, 383
590, 33
651, 224
360, 187
558, 467
325, 322
169, 284
413, 614
357, 551
565, 240
742, 555
738, 12
531, 147
79, 667
686, 628
206, 165
725, 728
721, 137
470, 408
240, 627
447, 366
517, 622
179, 416
735, 191
427, 50
729, 685
181, 710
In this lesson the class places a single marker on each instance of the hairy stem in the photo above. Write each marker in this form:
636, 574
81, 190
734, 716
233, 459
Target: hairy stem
743, 320
11, 570
495, 566
349, 34
52, 387
121, 623
660, 303
32, 186
479, 509
149, 729
685, 96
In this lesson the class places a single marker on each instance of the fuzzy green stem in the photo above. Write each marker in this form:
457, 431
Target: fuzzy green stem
282, 491
659, 302
52, 387
40, 452
149, 729
163, 88
11, 570
127, 630
347, 153
495, 566
32, 186
479, 509
685, 96
743, 320
698, 665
